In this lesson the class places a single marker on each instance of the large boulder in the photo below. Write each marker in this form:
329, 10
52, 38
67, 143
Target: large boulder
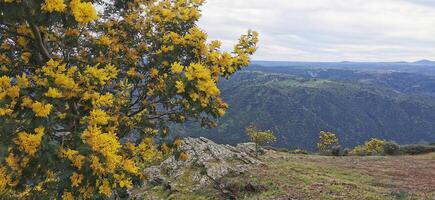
207, 162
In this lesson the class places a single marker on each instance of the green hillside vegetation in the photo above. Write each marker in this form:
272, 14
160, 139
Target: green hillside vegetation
296, 108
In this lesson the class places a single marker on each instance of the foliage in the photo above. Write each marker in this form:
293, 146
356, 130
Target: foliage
298, 107
85, 93
391, 148
415, 149
259, 137
371, 147
299, 151
328, 143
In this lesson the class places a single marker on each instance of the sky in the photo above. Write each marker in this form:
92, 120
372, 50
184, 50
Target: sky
327, 30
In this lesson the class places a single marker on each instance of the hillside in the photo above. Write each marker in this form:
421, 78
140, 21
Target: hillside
282, 176
355, 105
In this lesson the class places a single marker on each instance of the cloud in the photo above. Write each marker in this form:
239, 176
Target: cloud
327, 30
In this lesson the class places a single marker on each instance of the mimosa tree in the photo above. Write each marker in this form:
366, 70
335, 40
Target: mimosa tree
259, 137
87, 86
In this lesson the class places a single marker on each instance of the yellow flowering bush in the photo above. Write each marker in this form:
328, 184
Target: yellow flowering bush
327, 141
259, 137
373, 146
86, 93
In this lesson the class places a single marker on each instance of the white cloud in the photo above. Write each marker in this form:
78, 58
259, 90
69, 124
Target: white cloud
327, 30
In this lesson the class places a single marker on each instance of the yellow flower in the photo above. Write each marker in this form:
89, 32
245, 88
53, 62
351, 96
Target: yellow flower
197, 71
104, 100
96, 166
78, 161
194, 96
180, 86
209, 87
104, 40
176, 68
53, 93
165, 149
4, 179
131, 72
76, 179
22, 81
29, 143
5, 82
103, 74
178, 142
67, 196
74, 156
25, 56
61, 115
41, 110
64, 81
105, 188
221, 112
53, 6
130, 166
154, 72
22, 41
5, 111
83, 12
97, 117
27, 102
72, 32
86, 192
126, 183
14, 92
184, 156
12, 162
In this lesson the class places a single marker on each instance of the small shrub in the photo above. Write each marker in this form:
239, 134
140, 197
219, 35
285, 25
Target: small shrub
371, 147
345, 152
391, 148
259, 137
328, 142
299, 151
415, 149
336, 150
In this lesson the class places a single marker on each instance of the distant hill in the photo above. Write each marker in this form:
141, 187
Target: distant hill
298, 103
421, 67
425, 62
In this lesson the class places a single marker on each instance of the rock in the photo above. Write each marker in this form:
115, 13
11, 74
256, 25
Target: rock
206, 163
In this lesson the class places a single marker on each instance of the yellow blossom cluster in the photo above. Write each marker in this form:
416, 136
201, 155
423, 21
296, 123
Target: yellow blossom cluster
5, 179
74, 156
40, 109
29, 143
53, 93
83, 12
327, 140
53, 6
373, 146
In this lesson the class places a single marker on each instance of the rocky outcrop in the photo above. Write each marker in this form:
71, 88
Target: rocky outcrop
206, 163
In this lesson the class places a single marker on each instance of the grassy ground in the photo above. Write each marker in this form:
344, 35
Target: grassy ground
286, 176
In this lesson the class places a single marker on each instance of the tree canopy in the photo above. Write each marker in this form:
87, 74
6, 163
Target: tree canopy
86, 87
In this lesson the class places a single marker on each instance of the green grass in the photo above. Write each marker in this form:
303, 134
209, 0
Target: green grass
287, 176
313, 181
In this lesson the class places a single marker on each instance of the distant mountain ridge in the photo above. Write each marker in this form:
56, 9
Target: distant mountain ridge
425, 62
293, 63
297, 102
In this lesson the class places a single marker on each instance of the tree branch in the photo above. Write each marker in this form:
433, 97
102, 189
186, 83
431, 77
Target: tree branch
39, 41
35, 30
